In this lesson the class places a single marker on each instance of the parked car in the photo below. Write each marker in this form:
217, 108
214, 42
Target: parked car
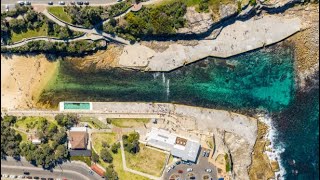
80, 3
189, 163
178, 162
21, 176
204, 153
36, 177
119, 0
43, 178
50, 3
208, 170
180, 171
208, 153
29, 177
173, 166
26, 173
169, 168
183, 162
189, 169
5, 175
21, 3
86, 3
27, 3
13, 176
192, 177
61, 3
7, 7
50, 179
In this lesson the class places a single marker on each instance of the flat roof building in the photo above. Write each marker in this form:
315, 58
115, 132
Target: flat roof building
183, 148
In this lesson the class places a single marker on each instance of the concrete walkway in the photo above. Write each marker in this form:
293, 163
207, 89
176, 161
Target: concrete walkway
237, 38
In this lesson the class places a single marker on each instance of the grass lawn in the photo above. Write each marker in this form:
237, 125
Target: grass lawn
94, 122
42, 31
148, 160
81, 158
97, 139
59, 13
129, 123
32, 122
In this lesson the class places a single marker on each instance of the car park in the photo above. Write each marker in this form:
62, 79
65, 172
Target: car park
86, 3
50, 3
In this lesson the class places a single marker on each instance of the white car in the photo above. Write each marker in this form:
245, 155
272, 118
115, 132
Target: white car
169, 168
21, 3
5, 175
189, 169
208, 170
12, 176
61, 3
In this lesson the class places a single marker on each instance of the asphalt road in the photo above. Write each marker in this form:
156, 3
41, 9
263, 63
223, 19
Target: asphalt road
12, 3
66, 170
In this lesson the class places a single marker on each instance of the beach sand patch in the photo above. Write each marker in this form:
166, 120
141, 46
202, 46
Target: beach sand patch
23, 78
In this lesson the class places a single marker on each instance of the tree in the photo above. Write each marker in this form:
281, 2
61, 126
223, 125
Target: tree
67, 120
110, 173
94, 157
131, 142
105, 144
106, 155
61, 152
115, 147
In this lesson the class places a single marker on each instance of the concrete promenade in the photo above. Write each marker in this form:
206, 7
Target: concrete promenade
187, 117
237, 38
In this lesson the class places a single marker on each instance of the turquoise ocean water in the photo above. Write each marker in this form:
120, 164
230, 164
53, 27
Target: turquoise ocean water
258, 80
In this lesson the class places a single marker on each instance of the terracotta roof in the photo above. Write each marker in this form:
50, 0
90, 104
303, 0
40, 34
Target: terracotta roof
78, 140
98, 170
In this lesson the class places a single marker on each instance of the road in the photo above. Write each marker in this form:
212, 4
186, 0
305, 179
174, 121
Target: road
67, 170
11, 3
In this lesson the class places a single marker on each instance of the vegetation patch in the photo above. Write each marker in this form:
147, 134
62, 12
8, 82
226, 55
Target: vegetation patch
95, 122
147, 160
60, 13
128, 122
84, 159
41, 31
32, 123
154, 20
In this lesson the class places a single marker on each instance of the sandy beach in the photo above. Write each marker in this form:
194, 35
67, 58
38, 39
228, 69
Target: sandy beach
23, 79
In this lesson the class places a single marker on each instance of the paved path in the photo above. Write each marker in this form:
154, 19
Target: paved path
70, 170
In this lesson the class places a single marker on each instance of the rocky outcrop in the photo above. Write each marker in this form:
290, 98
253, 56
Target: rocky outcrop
196, 22
240, 151
227, 10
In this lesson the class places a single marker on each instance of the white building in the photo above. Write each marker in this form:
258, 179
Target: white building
183, 148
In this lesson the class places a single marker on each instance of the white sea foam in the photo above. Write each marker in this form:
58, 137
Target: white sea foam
277, 149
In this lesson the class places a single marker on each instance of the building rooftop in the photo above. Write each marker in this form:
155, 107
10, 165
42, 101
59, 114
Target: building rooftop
78, 138
180, 147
